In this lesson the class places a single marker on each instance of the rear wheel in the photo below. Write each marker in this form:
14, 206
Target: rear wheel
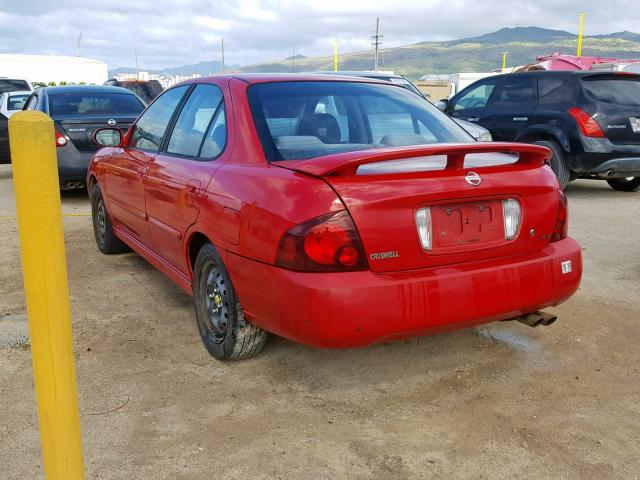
224, 331
558, 163
629, 184
102, 229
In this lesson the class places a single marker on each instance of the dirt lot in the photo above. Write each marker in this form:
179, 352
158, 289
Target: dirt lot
500, 401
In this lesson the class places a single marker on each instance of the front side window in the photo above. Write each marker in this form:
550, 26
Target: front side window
477, 97
150, 128
194, 120
94, 104
300, 120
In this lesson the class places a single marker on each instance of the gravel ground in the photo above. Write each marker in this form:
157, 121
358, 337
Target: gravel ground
499, 401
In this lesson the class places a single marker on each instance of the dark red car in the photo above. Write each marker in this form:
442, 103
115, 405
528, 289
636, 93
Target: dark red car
331, 211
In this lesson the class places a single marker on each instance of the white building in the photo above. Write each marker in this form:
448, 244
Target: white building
53, 68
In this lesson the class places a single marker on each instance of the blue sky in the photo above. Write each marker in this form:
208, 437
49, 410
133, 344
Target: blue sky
176, 33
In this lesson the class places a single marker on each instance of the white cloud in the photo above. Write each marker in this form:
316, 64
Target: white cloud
174, 33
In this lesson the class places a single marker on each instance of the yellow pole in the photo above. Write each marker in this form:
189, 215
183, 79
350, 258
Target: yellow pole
335, 56
35, 177
580, 32
504, 60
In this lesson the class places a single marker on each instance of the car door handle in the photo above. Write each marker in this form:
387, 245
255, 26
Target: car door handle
193, 186
520, 119
473, 119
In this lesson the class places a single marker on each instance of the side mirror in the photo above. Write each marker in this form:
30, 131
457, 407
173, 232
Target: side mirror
108, 137
442, 104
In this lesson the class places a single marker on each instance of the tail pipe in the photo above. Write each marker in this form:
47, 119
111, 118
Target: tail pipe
537, 318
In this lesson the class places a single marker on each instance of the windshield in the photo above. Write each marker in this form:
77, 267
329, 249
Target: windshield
301, 120
94, 104
10, 85
614, 89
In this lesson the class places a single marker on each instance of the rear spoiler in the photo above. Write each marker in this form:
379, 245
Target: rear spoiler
346, 164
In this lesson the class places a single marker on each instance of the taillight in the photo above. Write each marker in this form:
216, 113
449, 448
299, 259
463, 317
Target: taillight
588, 126
511, 214
561, 228
61, 140
329, 243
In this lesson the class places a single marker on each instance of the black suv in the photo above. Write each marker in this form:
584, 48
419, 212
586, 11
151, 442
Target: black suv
590, 120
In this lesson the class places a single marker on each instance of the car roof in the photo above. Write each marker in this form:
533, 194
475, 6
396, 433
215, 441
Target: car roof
560, 73
18, 92
254, 78
85, 89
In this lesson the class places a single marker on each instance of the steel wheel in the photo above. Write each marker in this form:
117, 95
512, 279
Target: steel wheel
217, 303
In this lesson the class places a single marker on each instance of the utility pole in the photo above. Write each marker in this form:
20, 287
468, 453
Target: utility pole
222, 51
78, 45
135, 52
376, 41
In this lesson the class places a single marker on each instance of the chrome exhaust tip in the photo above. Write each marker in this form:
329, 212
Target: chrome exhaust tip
537, 318
71, 185
79, 185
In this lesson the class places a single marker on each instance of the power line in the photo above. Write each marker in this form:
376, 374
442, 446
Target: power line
376, 41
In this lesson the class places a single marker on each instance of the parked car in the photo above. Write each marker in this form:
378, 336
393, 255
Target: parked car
481, 134
332, 211
590, 120
77, 111
145, 89
9, 86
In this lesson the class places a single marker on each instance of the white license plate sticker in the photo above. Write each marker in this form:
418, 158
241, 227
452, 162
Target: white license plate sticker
566, 267
635, 124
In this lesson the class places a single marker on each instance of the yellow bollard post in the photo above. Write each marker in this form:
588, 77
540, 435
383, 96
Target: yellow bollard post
35, 177
580, 34
335, 56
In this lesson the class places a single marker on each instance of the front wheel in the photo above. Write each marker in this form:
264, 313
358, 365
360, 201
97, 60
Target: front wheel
225, 332
629, 184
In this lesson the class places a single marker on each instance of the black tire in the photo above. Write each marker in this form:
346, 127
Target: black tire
558, 162
102, 229
631, 184
223, 329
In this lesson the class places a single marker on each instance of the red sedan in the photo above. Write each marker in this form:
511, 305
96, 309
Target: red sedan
332, 211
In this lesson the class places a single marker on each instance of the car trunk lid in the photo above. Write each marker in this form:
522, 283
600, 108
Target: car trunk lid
80, 130
463, 186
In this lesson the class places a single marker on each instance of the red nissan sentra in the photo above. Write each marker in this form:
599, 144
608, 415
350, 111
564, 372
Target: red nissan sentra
335, 212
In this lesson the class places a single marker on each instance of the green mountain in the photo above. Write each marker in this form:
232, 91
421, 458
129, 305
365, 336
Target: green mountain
477, 54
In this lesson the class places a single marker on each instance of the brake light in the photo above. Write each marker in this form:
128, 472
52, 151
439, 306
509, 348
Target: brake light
329, 243
588, 126
61, 140
511, 215
561, 228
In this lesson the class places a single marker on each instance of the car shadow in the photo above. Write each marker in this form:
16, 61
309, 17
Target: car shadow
592, 189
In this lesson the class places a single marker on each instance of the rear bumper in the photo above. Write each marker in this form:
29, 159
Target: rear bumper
604, 159
353, 309
72, 164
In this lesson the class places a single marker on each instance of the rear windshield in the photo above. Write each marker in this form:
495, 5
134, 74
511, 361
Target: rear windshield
16, 102
94, 104
301, 120
621, 91
9, 85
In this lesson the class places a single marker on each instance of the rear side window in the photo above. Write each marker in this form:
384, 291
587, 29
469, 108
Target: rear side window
16, 102
555, 90
150, 128
194, 120
477, 97
514, 92
94, 104
613, 89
